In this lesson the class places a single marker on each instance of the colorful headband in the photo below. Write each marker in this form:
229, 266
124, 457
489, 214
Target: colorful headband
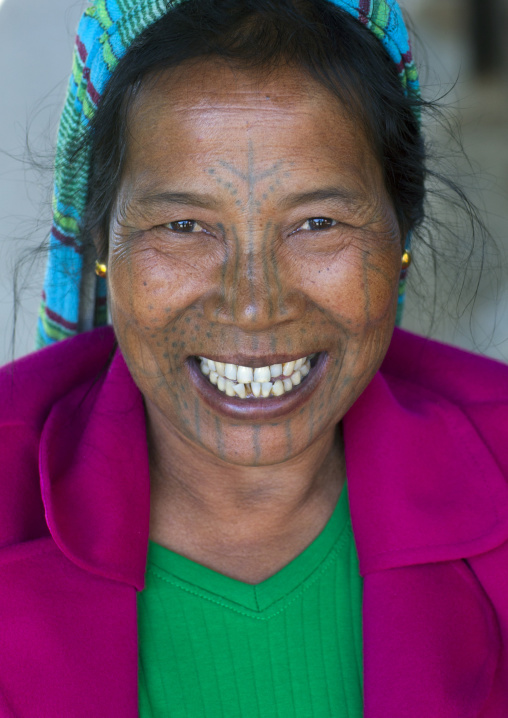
74, 299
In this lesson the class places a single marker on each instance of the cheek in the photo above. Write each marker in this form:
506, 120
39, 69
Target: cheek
357, 286
150, 288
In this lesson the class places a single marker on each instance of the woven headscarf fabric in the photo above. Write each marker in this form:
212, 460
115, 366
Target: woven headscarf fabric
74, 299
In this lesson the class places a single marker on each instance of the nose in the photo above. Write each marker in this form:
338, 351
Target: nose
254, 291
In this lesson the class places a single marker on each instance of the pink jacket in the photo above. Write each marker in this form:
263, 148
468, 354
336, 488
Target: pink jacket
427, 465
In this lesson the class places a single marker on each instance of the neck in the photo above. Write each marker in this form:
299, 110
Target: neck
245, 521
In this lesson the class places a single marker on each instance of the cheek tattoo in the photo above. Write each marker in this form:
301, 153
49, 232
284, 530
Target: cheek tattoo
253, 289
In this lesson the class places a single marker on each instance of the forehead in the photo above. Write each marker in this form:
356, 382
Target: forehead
187, 118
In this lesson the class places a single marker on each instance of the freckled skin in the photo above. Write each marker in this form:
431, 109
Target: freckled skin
252, 280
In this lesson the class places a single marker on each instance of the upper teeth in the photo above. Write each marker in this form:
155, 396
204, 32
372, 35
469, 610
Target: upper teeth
245, 381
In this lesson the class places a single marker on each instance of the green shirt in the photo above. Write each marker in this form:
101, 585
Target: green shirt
290, 646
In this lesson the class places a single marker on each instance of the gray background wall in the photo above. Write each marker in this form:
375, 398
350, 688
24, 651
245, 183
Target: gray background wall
36, 38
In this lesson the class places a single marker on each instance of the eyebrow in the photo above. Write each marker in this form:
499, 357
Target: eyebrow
205, 201
346, 196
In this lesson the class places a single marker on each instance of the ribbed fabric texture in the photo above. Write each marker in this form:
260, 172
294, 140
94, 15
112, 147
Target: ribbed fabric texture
288, 647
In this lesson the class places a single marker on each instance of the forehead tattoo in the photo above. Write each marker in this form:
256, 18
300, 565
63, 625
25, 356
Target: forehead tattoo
233, 179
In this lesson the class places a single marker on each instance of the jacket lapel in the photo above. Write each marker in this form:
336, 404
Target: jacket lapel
423, 486
424, 493
95, 488
95, 477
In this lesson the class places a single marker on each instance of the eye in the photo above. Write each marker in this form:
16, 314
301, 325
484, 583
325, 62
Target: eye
185, 226
317, 223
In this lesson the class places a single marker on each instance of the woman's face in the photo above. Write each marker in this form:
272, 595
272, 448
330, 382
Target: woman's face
252, 227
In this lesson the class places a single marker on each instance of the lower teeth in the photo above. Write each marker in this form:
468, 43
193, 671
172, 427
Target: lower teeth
276, 387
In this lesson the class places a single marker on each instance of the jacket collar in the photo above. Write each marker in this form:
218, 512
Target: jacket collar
94, 476
422, 485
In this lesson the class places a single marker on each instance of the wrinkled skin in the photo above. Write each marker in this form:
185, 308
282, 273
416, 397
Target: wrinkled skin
242, 496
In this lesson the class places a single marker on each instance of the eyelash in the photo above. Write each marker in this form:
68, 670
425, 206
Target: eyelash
195, 224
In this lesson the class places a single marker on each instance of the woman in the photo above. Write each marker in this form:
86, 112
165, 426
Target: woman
250, 496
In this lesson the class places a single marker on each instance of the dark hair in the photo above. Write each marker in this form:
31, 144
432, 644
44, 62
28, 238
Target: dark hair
314, 36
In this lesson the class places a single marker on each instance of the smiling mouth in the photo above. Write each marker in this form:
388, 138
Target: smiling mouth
244, 382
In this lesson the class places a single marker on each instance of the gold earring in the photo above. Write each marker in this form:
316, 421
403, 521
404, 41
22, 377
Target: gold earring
100, 269
406, 259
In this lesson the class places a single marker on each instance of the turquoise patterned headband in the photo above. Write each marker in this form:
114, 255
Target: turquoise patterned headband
74, 300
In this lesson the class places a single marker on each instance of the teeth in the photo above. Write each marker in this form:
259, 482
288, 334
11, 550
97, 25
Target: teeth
240, 390
278, 388
245, 374
230, 371
266, 388
287, 368
262, 374
275, 370
245, 381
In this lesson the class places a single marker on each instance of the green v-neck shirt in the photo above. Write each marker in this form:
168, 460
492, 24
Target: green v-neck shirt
289, 647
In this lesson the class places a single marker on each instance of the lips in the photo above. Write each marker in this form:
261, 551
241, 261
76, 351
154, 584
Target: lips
284, 400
